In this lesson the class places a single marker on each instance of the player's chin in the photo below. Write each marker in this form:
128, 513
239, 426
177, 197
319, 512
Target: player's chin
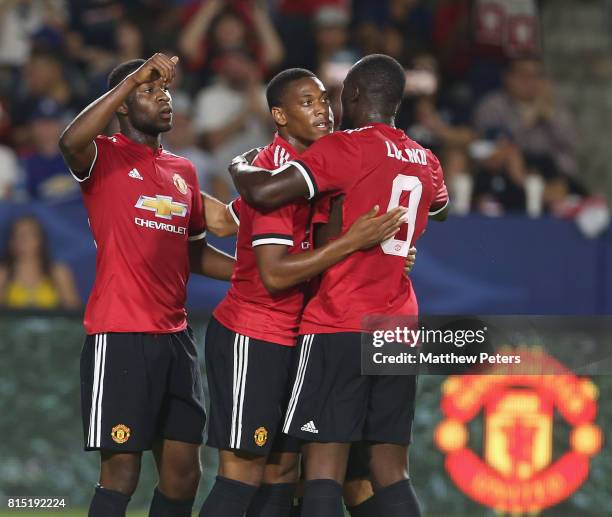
164, 127
318, 133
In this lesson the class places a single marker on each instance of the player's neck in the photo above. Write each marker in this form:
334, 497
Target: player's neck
374, 118
152, 141
299, 146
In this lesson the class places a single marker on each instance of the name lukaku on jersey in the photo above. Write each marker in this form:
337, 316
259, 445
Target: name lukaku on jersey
163, 207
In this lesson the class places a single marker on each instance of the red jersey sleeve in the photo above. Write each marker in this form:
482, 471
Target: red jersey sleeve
101, 164
330, 163
274, 227
197, 219
234, 209
440, 199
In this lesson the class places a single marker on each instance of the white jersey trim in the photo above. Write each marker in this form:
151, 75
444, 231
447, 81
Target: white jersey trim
233, 213
300, 167
272, 240
197, 237
81, 180
440, 209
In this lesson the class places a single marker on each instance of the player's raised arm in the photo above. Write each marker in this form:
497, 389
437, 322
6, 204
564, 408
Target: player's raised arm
266, 189
281, 270
77, 142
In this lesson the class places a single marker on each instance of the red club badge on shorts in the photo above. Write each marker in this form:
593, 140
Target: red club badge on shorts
180, 183
120, 433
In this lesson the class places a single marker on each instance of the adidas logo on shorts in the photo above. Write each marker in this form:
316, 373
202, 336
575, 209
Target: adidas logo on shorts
310, 427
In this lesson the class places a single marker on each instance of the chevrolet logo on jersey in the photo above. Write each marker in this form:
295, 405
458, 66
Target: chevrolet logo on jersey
163, 206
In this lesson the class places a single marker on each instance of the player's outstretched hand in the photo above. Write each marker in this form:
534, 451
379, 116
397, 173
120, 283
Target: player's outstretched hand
372, 229
410, 260
157, 66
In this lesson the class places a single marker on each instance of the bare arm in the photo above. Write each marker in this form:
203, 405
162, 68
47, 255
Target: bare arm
264, 190
64, 281
281, 270
190, 41
209, 261
77, 141
219, 221
273, 49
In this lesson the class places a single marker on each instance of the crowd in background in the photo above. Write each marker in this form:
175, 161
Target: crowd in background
477, 90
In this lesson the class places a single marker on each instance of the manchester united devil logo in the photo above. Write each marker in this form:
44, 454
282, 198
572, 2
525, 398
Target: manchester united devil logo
180, 183
120, 433
261, 436
517, 471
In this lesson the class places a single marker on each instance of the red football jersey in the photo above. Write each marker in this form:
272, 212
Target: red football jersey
248, 308
143, 207
372, 165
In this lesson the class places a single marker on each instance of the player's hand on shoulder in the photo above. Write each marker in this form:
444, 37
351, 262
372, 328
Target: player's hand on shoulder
371, 229
245, 158
157, 66
410, 260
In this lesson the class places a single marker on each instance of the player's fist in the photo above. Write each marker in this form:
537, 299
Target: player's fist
156, 67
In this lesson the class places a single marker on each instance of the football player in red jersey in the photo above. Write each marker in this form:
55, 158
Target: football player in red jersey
250, 339
140, 380
372, 162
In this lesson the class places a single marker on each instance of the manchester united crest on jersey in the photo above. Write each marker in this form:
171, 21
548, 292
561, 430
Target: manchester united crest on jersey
180, 183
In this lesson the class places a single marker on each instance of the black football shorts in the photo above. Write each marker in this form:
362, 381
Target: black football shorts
138, 388
248, 382
331, 401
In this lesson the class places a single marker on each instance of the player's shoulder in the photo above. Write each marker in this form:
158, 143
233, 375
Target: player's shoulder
113, 142
276, 154
178, 161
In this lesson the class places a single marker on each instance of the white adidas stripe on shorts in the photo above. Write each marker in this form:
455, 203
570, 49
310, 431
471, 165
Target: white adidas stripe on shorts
97, 393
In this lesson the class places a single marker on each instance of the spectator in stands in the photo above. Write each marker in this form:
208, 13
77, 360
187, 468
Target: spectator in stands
43, 78
525, 119
182, 140
10, 174
475, 39
29, 278
231, 115
217, 26
334, 56
332, 38
26, 22
435, 125
46, 174
90, 41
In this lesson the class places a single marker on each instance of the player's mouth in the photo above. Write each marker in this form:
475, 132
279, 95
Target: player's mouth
322, 125
166, 113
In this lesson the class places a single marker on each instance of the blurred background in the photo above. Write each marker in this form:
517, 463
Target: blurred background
512, 95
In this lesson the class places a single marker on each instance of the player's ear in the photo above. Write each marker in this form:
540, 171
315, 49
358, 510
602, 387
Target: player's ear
122, 109
279, 117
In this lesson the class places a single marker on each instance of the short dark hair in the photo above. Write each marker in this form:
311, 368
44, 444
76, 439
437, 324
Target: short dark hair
382, 79
120, 72
278, 84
